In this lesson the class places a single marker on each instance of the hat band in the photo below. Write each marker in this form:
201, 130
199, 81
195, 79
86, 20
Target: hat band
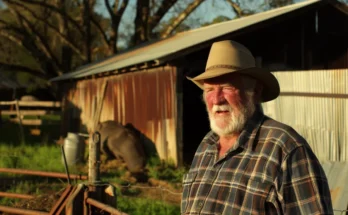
223, 66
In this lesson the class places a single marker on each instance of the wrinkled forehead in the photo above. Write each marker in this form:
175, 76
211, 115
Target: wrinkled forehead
235, 79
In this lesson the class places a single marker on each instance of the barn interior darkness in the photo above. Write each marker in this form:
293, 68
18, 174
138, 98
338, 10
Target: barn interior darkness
299, 41
195, 117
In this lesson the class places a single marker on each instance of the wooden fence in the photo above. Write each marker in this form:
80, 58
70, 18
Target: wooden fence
19, 111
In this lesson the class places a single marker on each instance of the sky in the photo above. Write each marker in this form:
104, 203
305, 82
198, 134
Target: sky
218, 5
206, 12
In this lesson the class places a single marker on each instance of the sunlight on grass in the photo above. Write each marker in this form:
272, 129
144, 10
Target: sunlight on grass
140, 206
41, 153
39, 157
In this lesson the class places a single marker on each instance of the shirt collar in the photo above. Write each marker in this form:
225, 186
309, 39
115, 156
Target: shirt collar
250, 130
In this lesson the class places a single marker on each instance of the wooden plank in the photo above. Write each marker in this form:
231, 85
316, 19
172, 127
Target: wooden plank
30, 112
27, 121
100, 102
33, 103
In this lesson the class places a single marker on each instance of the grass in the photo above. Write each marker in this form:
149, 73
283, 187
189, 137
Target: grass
10, 133
43, 154
140, 206
33, 157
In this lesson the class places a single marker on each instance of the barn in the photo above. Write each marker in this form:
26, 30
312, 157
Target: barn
147, 85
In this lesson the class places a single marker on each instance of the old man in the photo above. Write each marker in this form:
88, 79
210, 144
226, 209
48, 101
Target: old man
249, 163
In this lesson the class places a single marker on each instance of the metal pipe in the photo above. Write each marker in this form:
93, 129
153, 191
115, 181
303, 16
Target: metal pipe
16, 195
61, 199
104, 207
41, 173
83, 134
65, 164
21, 211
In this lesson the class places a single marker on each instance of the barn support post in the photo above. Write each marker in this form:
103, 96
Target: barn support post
94, 159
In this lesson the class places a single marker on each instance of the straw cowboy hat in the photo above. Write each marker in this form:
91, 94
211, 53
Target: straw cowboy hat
229, 56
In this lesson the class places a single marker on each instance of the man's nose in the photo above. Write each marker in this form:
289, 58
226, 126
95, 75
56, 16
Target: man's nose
218, 97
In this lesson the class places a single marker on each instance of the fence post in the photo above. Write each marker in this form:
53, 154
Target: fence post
94, 159
19, 116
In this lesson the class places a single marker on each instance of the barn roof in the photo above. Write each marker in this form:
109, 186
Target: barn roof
165, 49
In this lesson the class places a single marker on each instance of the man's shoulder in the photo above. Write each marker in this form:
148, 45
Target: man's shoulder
281, 134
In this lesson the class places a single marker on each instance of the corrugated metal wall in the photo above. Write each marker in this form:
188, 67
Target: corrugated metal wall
315, 103
145, 98
337, 174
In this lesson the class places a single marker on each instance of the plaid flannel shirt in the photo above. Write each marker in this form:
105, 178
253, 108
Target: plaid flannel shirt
270, 170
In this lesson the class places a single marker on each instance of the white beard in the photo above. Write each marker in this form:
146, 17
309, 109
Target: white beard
234, 122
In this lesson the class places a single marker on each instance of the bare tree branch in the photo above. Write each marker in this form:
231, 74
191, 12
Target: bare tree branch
141, 21
87, 28
53, 28
236, 8
11, 37
54, 9
38, 37
101, 31
116, 16
109, 8
20, 68
59, 34
162, 10
181, 17
28, 44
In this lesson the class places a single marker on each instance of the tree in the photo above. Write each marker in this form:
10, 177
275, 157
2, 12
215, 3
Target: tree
57, 36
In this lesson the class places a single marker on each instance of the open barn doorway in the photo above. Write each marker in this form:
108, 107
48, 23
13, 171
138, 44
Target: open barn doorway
195, 119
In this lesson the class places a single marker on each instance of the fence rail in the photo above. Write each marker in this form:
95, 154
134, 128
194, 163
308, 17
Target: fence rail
29, 112
25, 108
99, 197
32, 103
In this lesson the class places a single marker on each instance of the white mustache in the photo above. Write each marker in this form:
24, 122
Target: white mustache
221, 108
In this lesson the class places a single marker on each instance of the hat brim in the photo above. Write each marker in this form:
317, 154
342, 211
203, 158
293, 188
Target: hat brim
271, 87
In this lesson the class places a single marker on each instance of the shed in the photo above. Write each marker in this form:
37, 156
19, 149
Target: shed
147, 85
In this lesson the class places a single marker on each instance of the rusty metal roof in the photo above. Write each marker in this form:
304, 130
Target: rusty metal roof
337, 175
158, 51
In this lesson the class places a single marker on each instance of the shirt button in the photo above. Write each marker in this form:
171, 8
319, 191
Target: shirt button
199, 204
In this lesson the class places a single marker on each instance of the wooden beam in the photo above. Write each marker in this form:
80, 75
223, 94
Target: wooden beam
27, 121
30, 112
33, 103
20, 122
100, 102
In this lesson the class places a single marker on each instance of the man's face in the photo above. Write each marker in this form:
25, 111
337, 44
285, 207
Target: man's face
229, 101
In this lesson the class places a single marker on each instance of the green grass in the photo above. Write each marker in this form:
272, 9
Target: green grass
11, 135
43, 154
165, 171
33, 157
140, 206
37, 157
